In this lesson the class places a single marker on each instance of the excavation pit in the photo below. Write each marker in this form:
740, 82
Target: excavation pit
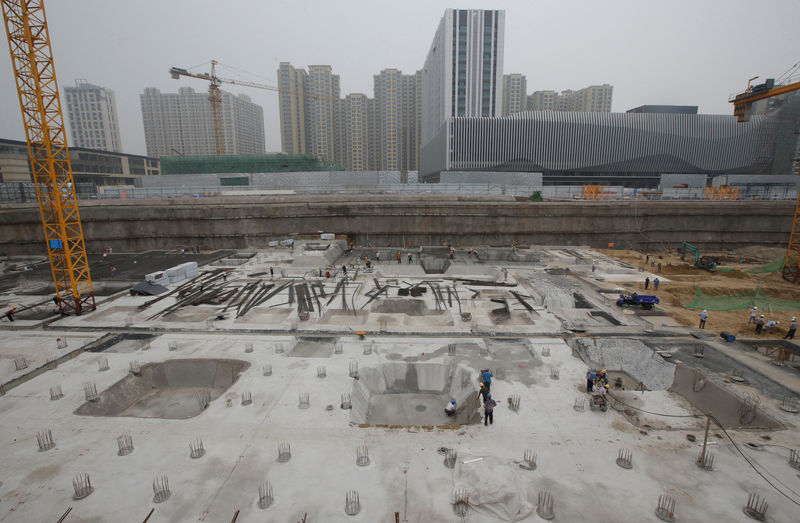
166, 390
411, 394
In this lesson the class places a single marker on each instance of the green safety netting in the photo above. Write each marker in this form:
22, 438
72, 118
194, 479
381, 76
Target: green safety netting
758, 297
775, 265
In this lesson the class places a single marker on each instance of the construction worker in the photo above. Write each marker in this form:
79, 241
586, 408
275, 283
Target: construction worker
753, 314
368, 263
486, 374
410, 258
760, 324
113, 272
450, 408
10, 313
703, 317
488, 410
768, 326
483, 392
792, 329
377, 256
344, 270
590, 377
646, 282
655, 284
398, 257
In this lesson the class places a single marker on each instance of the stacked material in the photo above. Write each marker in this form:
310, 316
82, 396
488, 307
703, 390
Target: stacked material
158, 278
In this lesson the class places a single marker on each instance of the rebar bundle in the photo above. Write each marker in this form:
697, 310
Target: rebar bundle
529, 460
90, 392
665, 510
45, 440
756, 507
354, 369
125, 444
461, 502
705, 460
161, 490
82, 484
284, 452
55, 393
352, 504
555, 373
135, 368
513, 402
450, 457
247, 398
624, 458
345, 404
544, 506
265, 495
303, 400
196, 448
362, 456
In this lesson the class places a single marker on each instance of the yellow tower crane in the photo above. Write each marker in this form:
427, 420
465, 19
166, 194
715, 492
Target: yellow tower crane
37, 88
742, 107
215, 97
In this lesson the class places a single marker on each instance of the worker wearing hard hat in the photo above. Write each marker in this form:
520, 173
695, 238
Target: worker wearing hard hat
703, 317
760, 324
768, 326
792, 329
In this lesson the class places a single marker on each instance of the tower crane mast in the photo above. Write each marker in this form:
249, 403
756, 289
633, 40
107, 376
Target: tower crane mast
37, 89
742, 107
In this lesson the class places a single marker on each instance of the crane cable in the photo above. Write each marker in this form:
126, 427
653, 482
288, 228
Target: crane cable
735, 445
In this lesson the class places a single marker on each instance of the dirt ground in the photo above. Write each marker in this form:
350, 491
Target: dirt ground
678, 293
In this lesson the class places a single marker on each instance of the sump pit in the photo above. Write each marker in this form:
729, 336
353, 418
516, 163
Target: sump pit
166, 390
413, 394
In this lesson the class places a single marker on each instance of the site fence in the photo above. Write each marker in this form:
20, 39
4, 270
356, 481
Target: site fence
24, 192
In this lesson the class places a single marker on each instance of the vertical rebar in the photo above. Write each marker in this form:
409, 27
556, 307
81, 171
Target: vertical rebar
135, 368
624, 458
248, 347
748, 408
125, 444
279, 348
756, 507
267, 369
203, 397
461, 502
61, 343
321, 372
699, 351
362, 456
665, 510
579, 404
247, 398
20, 363
45, 440
368, 347
345, 404
450, 457
82, 484
55, 393
544, 506
102, 364
196, 448
513, 402
699, 381
145, 345
794, 458
352, 505
90, 392
545, 351
284, 452
555, 373
338, 348
354, 369
173, 345
303, 400
500, 373
265, 495
529, 460
484, 351
451, 349
161, 490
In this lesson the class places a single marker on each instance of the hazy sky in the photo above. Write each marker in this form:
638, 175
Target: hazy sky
692, 52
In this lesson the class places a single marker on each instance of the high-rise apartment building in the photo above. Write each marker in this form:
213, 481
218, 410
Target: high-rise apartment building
92, 113
292, 104
514, 93
182, 124
463, 72
357, 132
592, 99
543, 101
322, 95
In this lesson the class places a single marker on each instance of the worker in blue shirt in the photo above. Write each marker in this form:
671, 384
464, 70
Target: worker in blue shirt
487, 378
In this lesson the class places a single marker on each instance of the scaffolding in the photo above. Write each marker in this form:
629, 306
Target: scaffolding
258, 163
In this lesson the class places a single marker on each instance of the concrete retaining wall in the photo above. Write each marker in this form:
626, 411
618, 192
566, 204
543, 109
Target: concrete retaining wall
395, 220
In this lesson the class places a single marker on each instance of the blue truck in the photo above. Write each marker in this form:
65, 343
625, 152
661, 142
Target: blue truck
646, 301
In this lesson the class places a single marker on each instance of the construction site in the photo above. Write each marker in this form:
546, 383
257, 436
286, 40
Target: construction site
270, 384
267, 355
